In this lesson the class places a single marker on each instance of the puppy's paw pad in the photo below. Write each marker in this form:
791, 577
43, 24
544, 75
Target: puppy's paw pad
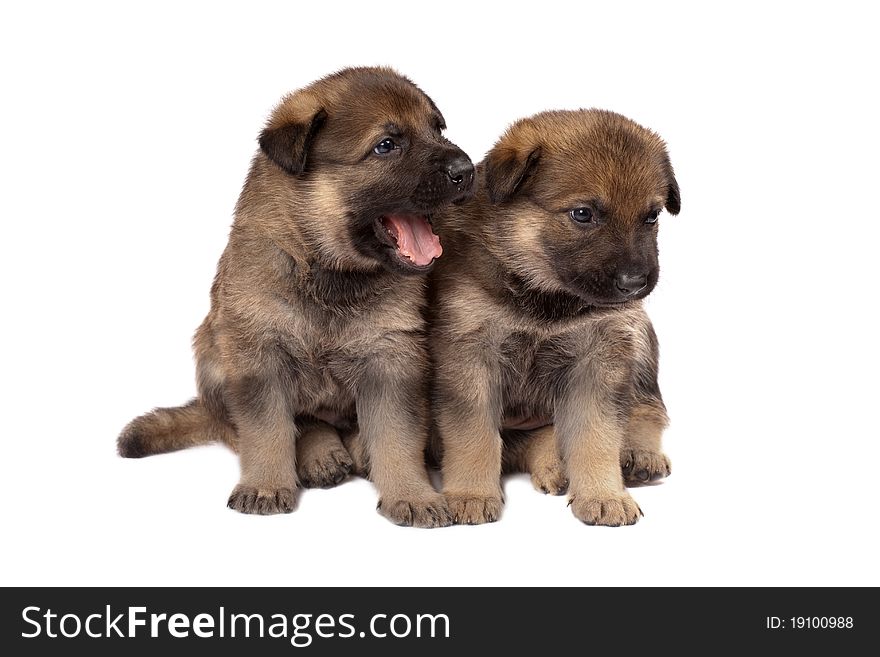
262, 501
644, 467
427, 513
610, 511
324, 470
474, 509
551, 479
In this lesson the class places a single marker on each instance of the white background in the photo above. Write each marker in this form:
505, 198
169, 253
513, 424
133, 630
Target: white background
126, 135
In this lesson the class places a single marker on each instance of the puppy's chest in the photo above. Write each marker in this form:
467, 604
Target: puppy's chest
534, 367
326, 355
325, 359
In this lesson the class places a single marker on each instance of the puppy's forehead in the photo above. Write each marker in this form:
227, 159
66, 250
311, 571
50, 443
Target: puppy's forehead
358, 105
377, 98
604, 156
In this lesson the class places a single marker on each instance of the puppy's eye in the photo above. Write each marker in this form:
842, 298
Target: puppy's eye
385, 146
581, 215
652, 218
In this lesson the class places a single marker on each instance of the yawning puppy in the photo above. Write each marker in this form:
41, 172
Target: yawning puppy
538, 334
315, 330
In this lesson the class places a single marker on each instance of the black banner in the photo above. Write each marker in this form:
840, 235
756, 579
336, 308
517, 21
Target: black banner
332, 621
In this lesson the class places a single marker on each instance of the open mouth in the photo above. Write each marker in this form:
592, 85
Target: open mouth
412, 237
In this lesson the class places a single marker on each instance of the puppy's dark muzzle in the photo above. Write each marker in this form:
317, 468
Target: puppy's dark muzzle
461, 175
451, 182
629, 284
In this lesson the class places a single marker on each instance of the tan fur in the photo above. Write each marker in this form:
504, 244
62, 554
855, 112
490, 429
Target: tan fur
641, 457
357, 450
539, 366
537, 453
472, 471
321, 459
315, 331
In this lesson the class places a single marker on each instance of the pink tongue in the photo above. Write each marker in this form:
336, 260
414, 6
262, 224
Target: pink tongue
415, 239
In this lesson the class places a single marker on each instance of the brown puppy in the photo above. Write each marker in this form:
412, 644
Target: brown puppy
538, 335
315, 330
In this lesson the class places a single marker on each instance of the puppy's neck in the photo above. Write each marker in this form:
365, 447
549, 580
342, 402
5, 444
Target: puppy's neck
343, 290
326, 285
539, 304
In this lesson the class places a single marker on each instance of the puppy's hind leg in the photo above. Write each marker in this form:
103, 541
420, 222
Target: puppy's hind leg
641, 458
537, 453
357, 451
321, 459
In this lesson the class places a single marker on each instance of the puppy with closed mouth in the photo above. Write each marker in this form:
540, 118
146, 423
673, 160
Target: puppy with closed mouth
315, 333
545, 360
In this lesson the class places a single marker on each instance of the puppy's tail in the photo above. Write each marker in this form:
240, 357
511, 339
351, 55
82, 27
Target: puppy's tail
170, 429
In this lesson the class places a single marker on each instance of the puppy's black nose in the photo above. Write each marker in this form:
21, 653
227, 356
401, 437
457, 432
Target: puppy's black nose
629, 284
460, 170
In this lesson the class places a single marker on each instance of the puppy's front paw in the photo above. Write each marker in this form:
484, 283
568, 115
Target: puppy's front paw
262, 501
643, 467
550, 478
467, 509
324, 469
608, 511
428, 512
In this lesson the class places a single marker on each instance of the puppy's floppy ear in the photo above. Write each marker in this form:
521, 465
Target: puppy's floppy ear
441, 122
288, 145
507, 169
673, 195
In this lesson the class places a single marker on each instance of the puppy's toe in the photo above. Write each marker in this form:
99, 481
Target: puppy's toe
609, 511
550, 479
474, 509
262, 501
644, 467
428, 512
324, 469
